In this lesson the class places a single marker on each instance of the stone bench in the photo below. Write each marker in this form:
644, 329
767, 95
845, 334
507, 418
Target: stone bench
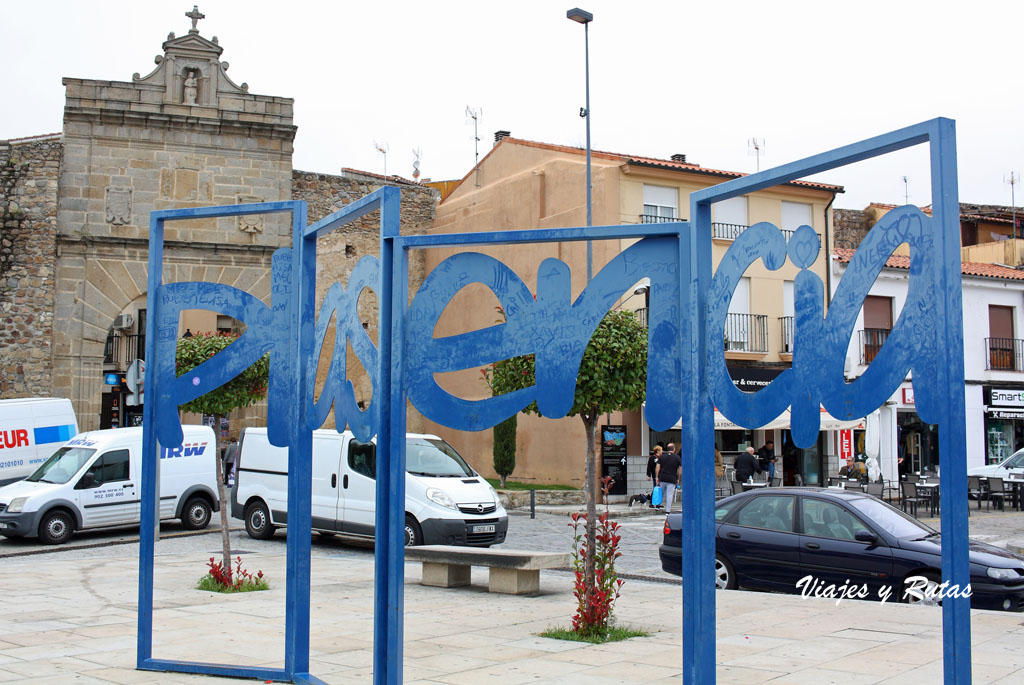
512, 572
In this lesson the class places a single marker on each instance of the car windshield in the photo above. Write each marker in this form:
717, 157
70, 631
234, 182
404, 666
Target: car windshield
62, 466
1016, 461
436, 458
890, 519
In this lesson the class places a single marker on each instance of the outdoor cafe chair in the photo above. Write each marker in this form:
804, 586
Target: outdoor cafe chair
776, 482
974, 489
737, 487
875, 489
996, 489
910, 497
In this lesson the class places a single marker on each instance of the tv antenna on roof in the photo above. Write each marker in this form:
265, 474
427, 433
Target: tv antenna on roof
906, 190
416, 155
1013, 180
383, 149
475, 115
755, 147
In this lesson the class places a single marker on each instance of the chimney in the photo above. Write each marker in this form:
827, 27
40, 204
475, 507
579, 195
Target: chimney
501, 135
679, 158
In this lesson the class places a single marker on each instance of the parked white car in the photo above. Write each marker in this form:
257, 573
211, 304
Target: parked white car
1013, 464
446, 501
95, 480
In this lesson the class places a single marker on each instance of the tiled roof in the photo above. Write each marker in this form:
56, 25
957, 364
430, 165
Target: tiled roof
986, 219
697, 169
843, 256
640, 160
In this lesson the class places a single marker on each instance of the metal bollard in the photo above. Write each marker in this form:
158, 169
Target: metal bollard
533, 504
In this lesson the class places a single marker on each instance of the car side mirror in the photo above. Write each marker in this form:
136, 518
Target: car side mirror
865, 536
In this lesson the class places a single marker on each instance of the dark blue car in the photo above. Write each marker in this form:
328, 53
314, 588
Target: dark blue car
775, 538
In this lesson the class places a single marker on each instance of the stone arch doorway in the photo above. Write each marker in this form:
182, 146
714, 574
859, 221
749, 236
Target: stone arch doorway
98, 282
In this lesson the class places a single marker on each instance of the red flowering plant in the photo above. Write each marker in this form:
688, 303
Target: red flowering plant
594, 608
221, 578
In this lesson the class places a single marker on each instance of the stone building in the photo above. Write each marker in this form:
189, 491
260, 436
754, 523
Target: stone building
74, 211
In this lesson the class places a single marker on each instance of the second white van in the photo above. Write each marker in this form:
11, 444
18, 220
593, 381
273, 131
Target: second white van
95, 480
31, 428
446, 501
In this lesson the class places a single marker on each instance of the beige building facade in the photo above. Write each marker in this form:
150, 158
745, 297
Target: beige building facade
526, 184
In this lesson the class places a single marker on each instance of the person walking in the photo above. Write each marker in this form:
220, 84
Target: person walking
652, 465
746, 465
229, 459
766, 455
667, 473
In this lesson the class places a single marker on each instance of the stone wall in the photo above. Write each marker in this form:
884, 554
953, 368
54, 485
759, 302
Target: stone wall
339, 251
29, 169
850, 226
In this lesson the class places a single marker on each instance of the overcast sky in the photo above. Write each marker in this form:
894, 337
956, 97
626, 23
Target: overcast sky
666, 77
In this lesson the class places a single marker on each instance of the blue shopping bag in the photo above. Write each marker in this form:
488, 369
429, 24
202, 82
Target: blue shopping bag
656, 496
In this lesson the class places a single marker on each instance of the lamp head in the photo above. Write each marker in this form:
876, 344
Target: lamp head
578, 15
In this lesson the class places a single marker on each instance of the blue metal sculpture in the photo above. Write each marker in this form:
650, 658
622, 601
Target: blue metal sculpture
686, 317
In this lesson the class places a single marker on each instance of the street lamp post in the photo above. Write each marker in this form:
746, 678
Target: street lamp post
584, 17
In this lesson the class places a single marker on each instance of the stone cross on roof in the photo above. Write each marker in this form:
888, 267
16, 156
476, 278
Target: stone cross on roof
195, 15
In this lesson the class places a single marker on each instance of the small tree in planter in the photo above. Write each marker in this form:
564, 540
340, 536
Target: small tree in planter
612, 377
245, 389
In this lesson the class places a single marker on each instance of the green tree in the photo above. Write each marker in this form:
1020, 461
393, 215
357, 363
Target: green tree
612, 377
243, 390
505, 448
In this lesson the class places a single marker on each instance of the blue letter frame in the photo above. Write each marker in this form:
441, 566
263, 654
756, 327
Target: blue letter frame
686, 370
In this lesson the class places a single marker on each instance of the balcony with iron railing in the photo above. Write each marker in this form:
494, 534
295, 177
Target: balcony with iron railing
1004, 354
786, 324
641, 315
657, 219
746, 333
721, 231
871, 341
121, 350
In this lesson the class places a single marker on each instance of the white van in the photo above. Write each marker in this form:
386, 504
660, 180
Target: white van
95, 480
446, 501
31, 428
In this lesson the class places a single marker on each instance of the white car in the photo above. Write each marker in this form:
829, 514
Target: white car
1013, 464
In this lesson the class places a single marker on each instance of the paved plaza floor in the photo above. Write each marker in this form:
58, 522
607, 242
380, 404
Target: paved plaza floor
73, 619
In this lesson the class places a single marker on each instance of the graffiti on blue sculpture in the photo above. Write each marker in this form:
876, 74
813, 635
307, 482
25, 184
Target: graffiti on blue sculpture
550, 326
820, 340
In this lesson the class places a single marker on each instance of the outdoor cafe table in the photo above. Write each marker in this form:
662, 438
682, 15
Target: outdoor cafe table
752, 486
1017, 484
933, 493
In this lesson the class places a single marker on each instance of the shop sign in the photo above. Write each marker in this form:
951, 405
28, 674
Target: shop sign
908, 395
1005, 414
613, 441
846, 443
1007, 397
752, 379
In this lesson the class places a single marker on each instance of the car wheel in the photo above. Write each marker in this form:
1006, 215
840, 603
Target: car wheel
725, 576
196, 514
257, 521
413, 534
929, 590
56, 528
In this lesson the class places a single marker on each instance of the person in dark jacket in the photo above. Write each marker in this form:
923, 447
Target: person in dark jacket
746, 465
766, 459
652, 465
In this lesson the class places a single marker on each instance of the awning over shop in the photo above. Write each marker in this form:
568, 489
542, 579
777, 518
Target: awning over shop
781, 422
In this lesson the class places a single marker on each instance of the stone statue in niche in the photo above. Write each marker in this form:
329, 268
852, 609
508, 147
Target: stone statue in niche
191, 87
